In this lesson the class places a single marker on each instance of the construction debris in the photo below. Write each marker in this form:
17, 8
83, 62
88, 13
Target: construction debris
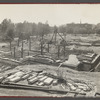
44, 79
89, 61
41, 79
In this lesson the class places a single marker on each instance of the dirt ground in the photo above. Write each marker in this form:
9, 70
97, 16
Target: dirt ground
93, 77
66, 72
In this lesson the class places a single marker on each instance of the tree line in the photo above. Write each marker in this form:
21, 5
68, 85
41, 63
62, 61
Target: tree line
9, 30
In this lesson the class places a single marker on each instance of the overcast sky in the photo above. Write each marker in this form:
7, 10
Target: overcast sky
55, 14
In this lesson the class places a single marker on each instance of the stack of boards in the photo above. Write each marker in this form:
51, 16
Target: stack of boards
32, 78
43, 79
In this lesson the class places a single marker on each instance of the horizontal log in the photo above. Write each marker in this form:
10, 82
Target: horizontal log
40, 88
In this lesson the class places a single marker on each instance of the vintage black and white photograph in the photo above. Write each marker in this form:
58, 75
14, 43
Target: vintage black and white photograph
50, 50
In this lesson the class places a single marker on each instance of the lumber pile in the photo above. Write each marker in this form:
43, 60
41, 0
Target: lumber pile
44, 79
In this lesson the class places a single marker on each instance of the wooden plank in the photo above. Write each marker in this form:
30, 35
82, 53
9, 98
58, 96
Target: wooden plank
80, 95
34, 87
48, 81
14, 52
15, 79
70, 94
33, 80
58, 51
43, 78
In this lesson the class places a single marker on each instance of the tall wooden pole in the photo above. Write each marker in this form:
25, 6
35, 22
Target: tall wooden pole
41, 47
21, 52
18, 42
55, 37
28, 53
29, 44
48, 47
10, 45
14, 52
64, 49
22, 47
58, 51
42, 38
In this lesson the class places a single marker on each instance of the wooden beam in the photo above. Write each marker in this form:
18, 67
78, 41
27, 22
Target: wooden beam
41, 88
29, 44
21, 52
41, 48
14, 52
58, 51
48, 47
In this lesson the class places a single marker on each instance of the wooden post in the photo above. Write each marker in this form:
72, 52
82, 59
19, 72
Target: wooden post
58, 51
29, 44
21, 52
48, 47
28, 53
22, 47
10, 45
64, 49
41, 48
18, 42
11, 53
22, 44
55, 37
14, 52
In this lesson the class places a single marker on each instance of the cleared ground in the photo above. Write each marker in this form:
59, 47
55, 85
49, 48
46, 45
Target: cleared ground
65, 72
